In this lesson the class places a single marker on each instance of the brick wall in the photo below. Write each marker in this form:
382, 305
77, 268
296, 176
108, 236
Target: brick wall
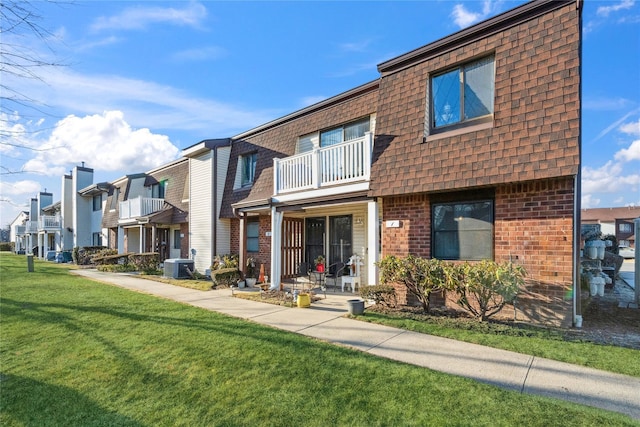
533, 227
263, 256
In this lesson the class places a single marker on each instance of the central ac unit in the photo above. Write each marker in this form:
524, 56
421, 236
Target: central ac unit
177, 268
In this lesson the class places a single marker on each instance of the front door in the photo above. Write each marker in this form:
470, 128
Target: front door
340, 238
314, 239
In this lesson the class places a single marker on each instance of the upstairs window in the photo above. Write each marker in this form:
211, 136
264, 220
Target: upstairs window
114, 199
97, 202
248, 164
462, 94
344, 133
158, 190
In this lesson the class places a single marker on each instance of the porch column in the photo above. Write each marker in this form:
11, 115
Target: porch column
373, 242
276, 248
242, 250
141, 246
154, 247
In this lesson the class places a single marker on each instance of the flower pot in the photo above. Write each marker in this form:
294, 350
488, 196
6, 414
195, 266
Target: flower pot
304, 300
356, 306
320, 268
251, 281
241, 283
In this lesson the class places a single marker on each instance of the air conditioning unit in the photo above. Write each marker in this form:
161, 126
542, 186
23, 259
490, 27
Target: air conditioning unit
176, 268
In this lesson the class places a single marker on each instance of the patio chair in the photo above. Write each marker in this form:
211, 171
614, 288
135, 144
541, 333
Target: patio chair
335, 272
302, 276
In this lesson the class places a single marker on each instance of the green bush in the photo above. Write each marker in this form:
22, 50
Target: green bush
7, 247
421, 276
484, 288
225, 276
380, 294
116, 268
84, 255
145, 262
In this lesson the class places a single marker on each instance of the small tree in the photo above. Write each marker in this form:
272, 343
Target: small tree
486, 287
421, 276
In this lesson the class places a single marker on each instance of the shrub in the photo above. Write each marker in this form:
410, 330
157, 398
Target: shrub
225, 261
484, 288
7, 246
421, 276
380, 294
145, 262
225, 276
116, 268
84, 255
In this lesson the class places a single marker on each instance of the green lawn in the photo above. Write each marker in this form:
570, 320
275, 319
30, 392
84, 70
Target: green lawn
80, 353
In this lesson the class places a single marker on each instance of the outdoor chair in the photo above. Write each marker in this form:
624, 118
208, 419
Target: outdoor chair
335, 272
303, 276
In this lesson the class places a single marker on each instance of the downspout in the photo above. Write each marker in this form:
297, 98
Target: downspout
214, 201
577, 306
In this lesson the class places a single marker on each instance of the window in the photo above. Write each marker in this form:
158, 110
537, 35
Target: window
253, 235
624, 227
462, 230
158, 190
177, 237
97, 202
462, 94
96, 239
344, 133
248, 165
114, 198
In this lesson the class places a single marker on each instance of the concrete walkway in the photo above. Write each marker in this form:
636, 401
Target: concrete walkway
325, 321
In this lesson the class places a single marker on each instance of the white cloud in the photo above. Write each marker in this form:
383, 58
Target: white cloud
588, 201
139, 18
18, 188
199, 54
463, 17
355, 46
106, 142
617, 124
632, 128
608, 179
623, 5
629, 154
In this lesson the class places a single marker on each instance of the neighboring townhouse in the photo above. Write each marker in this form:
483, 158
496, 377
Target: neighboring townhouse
38, 234
94, 200
297, 187
81, 219
148, 212
209, 234
17, 233
477, 151
615, 221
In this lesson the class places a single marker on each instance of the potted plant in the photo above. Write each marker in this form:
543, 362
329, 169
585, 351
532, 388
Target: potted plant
319, 263
250, 275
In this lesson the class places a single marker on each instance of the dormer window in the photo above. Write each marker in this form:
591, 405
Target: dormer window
158, 190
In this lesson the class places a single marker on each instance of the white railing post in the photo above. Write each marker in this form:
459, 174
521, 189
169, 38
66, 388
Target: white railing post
367, 154
276, 176
316, 167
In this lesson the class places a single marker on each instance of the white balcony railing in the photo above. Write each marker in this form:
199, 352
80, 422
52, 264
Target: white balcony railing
338, 164
48, 222
140, 206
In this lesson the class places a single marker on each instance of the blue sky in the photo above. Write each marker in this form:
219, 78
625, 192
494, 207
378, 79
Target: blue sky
142, 80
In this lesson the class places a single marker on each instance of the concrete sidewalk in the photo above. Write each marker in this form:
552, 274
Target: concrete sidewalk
325, 321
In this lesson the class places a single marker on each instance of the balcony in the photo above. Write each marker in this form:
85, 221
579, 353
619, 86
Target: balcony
140, 206
48, 223
336, 165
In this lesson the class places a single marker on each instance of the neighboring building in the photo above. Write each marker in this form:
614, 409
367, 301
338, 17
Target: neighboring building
18, 235
38, 234
209, 234
615, 221
148, 212
95, 196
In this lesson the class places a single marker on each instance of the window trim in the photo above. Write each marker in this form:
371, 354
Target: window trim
93, 202
252, 178
342, 127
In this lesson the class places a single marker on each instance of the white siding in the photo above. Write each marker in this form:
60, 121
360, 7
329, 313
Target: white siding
200, 202
223, 236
